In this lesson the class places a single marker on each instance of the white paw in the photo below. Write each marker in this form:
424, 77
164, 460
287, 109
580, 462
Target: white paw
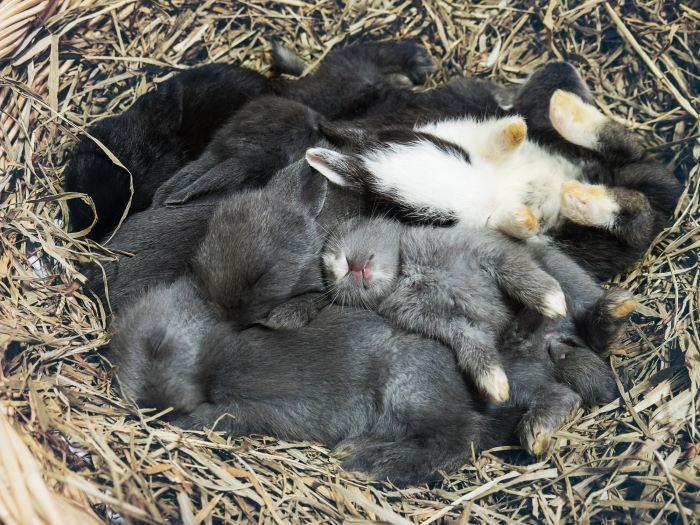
520, 223
588, 204
554, 304
494, 383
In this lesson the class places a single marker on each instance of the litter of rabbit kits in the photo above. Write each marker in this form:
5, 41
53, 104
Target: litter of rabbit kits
634, 460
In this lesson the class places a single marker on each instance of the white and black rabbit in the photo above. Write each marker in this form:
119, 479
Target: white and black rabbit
485, 172
605, 225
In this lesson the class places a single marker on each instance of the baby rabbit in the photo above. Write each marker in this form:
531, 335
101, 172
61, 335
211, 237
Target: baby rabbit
552, 372
165, 242
262, 248
163, 130
552, 364
393, 404
266, 134
486, 172
638, 194
450, 284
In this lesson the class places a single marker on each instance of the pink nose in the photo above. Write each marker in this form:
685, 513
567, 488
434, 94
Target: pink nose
359, 269
356, 265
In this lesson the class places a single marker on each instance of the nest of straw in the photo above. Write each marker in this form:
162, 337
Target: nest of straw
73, 452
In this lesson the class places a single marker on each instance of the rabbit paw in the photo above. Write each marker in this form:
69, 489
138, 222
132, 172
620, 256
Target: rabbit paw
493, 382
619, 303
553, 303
575, 120
588, 204
520, 223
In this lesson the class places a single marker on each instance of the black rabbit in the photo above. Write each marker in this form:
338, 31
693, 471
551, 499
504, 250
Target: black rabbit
169, 127
157, 135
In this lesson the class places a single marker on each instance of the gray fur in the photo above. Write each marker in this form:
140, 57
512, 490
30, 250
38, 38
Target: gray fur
450, 284
453, 285
395, 404
251, 259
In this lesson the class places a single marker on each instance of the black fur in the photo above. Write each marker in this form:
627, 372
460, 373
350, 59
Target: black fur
159, 133
169, 127
646, 190
267, 134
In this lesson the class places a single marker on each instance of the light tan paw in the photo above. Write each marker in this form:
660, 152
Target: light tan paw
575, 120
501, 138
494, 383
537, 434
588, 204
624, 309
541, 444
513, 135
521, 223
536, 437
620, 304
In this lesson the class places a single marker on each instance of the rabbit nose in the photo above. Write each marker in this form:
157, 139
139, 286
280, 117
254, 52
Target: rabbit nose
356, 265
360, 269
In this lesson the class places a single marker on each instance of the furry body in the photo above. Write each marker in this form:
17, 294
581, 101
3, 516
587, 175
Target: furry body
170, 127
462, 287
394, 404
634, 194
451, 284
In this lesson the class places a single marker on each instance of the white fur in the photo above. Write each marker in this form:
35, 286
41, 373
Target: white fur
554, 304
495, 383
427, 177
336, 264
479, 138
528, 175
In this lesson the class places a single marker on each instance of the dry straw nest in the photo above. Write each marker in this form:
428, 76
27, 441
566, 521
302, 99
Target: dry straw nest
72, 452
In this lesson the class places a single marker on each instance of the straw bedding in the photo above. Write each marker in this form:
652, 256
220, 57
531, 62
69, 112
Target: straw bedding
72, 452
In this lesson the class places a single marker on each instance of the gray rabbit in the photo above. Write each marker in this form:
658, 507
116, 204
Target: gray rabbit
394, 404
450, 284
462, 287
163, 242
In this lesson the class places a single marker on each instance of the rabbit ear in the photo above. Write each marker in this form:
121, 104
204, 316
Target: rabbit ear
331, 164
299, 183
